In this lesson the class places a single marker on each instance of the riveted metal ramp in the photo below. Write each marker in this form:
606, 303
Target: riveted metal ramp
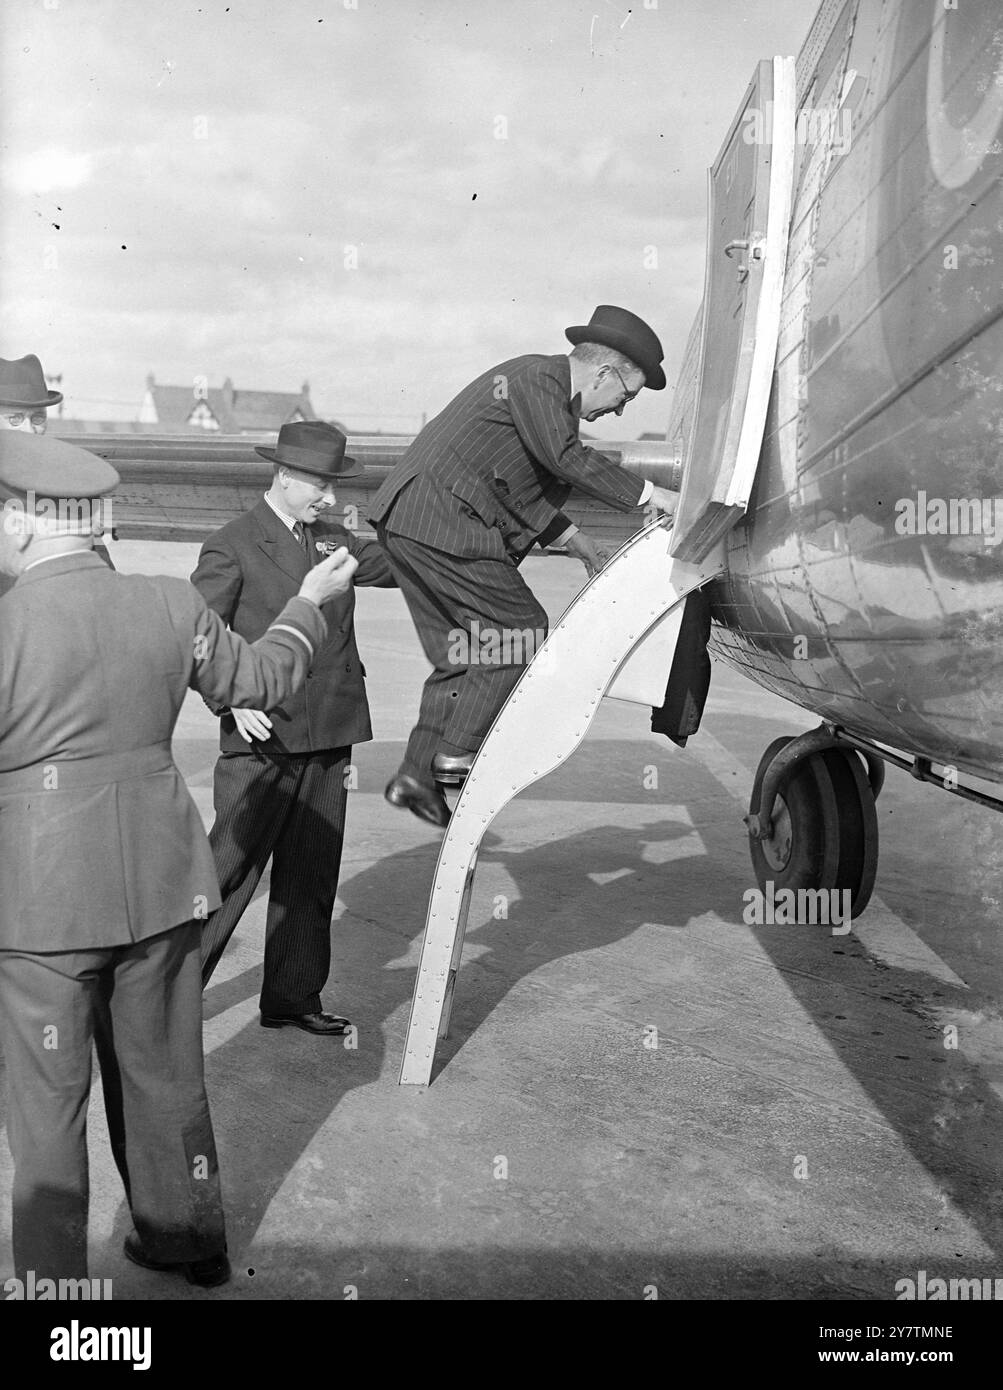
614, 625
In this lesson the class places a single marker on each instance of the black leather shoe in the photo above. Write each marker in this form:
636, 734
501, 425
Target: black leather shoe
328, 1024
450, 770
407, 791
207, 1273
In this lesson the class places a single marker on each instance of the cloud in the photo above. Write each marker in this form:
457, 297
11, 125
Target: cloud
45, 170
235, 152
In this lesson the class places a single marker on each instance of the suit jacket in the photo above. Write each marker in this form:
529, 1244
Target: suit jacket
490, 473
246, 572
100, 842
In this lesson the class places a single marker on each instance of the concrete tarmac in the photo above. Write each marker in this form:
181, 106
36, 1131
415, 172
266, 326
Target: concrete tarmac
642, 1095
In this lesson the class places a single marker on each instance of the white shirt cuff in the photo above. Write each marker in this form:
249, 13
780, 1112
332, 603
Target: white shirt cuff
565, 536
646, 492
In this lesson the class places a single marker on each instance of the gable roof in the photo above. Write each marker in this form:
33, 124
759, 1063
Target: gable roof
238, 412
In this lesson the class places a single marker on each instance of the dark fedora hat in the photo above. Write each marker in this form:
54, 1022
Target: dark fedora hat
22, 384
620, 329
312, 446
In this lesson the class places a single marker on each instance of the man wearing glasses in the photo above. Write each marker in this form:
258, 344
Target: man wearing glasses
479, 486
24, 395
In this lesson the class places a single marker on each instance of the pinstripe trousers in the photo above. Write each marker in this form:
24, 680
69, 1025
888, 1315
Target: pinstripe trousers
484, 600
290, 808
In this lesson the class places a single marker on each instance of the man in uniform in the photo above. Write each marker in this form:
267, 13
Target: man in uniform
279, 787
104, 864
481, 483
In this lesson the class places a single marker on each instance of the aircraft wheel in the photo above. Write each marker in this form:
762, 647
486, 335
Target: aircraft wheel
858, 826
803, 849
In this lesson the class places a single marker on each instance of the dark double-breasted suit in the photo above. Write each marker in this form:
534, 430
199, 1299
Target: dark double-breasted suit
481, 482
284, 799
104, 864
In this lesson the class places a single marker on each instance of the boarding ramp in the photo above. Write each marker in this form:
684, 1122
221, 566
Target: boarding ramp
616, 640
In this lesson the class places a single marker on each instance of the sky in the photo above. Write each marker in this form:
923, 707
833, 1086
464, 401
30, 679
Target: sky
382, 197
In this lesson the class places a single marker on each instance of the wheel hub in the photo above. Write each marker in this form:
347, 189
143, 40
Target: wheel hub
777, 849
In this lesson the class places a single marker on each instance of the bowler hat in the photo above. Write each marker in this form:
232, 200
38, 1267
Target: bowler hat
312, 446
30, 463
22, 384
620, 329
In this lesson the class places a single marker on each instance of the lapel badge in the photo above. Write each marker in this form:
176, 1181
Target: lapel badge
327, 547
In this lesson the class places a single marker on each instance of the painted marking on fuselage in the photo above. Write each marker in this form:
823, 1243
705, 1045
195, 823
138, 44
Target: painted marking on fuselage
958, 152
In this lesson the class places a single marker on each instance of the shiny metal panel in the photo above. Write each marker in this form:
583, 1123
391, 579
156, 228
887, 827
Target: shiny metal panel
888, 408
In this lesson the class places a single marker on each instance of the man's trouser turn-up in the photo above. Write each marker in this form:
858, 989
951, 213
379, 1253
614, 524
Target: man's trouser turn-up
142, 1005
479, 625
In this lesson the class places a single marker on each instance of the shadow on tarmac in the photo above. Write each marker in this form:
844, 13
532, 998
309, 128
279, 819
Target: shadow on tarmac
877, 1019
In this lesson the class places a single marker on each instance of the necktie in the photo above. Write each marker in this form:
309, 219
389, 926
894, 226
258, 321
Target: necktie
301, 537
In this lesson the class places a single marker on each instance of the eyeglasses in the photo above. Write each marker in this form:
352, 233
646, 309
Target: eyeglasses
37, 418
628, 396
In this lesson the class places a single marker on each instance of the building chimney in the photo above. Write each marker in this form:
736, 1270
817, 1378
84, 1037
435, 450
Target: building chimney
228, 393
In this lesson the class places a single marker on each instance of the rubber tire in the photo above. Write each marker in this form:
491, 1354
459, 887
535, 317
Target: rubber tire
858, 826
811, 802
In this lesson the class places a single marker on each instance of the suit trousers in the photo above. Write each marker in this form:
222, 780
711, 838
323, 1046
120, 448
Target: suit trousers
290, 808
479, 625
142, 1005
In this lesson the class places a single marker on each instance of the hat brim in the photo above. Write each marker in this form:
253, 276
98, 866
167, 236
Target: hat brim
10, 403
49, 467
654, 377
352, 472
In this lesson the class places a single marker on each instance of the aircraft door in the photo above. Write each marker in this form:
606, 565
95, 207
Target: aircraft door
749, 200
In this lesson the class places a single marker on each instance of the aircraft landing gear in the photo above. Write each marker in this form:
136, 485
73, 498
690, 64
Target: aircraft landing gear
812, 819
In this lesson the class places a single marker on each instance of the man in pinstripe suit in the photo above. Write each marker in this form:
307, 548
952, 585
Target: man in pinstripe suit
279, 787
481, 483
